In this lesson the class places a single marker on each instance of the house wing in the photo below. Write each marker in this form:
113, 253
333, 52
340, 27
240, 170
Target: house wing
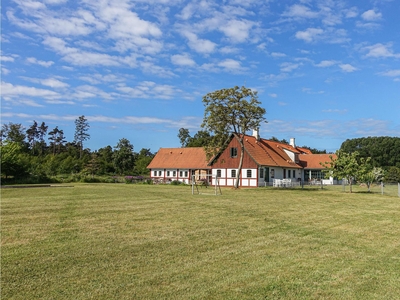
313, 161
179, 158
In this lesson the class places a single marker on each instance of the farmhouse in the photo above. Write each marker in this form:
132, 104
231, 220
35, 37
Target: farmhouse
179, 164
265, 162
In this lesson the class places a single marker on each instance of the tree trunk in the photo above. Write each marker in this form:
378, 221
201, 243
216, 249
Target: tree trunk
237, 181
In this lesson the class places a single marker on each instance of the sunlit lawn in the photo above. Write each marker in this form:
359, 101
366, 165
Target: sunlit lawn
121, 241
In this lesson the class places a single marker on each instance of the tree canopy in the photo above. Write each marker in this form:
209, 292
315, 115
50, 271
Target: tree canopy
384, 151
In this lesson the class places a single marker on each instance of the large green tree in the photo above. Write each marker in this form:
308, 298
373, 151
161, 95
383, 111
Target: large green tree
233, 110
81, 132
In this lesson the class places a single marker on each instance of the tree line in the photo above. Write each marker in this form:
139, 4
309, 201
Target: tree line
39, 154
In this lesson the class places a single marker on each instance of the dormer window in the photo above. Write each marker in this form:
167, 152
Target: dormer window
234, 152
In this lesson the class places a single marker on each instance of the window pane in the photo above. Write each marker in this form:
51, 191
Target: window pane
233, 173
262, 173
248, 173
218, 173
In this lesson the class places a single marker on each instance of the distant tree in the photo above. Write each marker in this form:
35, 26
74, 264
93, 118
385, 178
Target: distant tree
384, 151
123, 157
184, 136
392, 174
11, 164
347, 166
201, 139
370, 175
32, 135
81, 132
275, 139
93, 165
142, 160
105, 155
41, 134
57, 138
13, 132
314, 150
230, 110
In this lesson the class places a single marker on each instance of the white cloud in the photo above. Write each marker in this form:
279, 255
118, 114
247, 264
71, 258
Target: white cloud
371, 15
330, 35
33, 60
273, 95
9, 90
230, 64
347, 68
380, 50
326, 63
199, 45
182, 60
7, 58
391, 73
278, 54
149, 89
309, 35
237, 31
288, 67
299, 11
351, 12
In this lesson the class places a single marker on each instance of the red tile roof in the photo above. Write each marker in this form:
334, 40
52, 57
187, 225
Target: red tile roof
269, 153
179, 158
312, 161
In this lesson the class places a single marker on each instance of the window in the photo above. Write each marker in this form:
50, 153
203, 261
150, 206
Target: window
180, 173
155, 173
218, 173
186, 173
272, 173
159, 173
233, 152
288, 174
248, 173
233, 173
262, 173
294, 173
174, 173
167, 173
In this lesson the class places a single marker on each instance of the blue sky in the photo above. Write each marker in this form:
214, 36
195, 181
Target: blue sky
325, 70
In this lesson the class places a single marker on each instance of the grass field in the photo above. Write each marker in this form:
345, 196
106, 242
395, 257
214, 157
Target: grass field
118, 241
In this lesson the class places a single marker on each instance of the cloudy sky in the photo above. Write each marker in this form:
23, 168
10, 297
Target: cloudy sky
325, 70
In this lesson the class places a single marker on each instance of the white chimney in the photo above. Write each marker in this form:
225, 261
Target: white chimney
292, 142
256, 134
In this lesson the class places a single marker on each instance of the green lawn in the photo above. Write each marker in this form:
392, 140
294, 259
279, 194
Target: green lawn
119, 241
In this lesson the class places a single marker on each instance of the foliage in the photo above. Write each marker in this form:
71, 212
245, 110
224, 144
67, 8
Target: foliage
371, 176
348, 166
11, 164
384, 151
81, 132
34, 161
201, 139
392, 174
233, 110
123, 157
